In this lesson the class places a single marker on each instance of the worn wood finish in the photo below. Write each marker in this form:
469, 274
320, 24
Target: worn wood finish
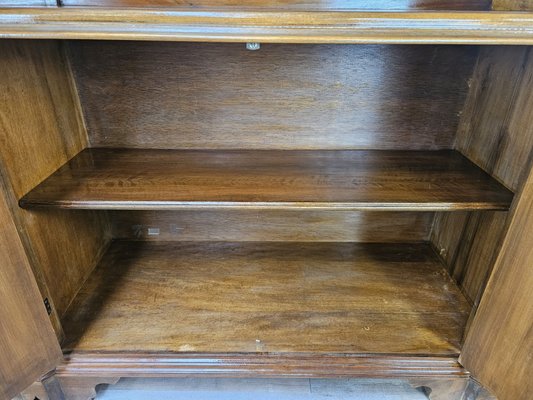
40, 123
258, 365
268, 297
294, 4
27, 342
35, 390
80, 387
496, 132
187, 95
498, 348
265, 225
518, 5
297, 26
269, 179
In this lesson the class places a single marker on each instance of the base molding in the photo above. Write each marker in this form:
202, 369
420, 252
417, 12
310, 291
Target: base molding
441, 378
258, 365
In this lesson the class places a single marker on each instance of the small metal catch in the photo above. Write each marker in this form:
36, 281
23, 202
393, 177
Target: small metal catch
153, 231
48, 306
253, 46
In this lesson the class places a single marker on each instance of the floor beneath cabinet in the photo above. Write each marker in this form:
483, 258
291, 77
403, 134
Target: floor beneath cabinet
271, 297
259, 389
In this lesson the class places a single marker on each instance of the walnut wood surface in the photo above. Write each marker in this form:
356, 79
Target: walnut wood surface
42, 128
268, 225
268, 297
297, 26
499, 347
28, 346
192, 95
294, 4
174, 179
496, 132
179, 365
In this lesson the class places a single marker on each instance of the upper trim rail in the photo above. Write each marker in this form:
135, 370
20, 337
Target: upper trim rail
267, 26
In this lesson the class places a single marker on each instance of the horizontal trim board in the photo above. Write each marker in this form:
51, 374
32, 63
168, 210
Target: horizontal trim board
436, 27
257, 365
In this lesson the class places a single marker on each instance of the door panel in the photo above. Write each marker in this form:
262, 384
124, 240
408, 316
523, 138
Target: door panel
28, 345
499, 347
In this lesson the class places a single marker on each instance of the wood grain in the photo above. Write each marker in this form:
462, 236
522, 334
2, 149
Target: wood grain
496, 133
518, 5
42, 128
268, 297
499, 346
265, 225
187, 95
27, 342
269, 179
297, 26
294, 4
254, 365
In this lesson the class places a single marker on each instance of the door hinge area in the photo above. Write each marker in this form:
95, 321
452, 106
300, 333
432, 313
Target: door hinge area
47, 306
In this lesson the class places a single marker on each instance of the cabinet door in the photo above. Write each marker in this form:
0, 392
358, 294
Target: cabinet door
28, 345
499, 347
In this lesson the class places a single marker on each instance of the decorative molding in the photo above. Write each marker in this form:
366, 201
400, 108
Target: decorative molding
258, 365
269, 26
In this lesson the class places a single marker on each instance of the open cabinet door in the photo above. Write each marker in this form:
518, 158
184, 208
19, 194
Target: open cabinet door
499, 347
28, 345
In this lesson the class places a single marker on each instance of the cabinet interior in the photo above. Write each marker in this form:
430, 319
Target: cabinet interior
194, 197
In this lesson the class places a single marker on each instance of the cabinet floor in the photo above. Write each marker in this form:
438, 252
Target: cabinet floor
268, 297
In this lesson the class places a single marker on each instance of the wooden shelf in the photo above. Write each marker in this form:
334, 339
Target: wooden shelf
269, 26
276, 297
315, 5
269, 179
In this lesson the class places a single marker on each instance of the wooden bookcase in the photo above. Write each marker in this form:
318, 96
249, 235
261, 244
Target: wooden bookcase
350, 200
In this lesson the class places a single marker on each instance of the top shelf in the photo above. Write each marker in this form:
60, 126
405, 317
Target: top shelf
270, 179
269, 25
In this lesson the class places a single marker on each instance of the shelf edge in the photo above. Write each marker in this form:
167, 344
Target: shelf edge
226, 205
430, 27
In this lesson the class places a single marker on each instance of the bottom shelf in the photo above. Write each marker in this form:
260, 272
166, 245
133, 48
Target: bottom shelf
247, 297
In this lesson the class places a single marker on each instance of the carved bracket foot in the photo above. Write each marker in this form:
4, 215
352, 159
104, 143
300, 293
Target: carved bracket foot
82, 388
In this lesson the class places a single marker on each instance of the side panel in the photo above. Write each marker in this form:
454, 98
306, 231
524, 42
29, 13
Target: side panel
28, 345
41, 128
499, 347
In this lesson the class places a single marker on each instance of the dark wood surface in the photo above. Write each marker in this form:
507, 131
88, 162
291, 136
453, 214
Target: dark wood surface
496, 132
269, 179
279, 26
273, 225
207, 96
295, 4
83, 371
252, 365
501, 329
268, 297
